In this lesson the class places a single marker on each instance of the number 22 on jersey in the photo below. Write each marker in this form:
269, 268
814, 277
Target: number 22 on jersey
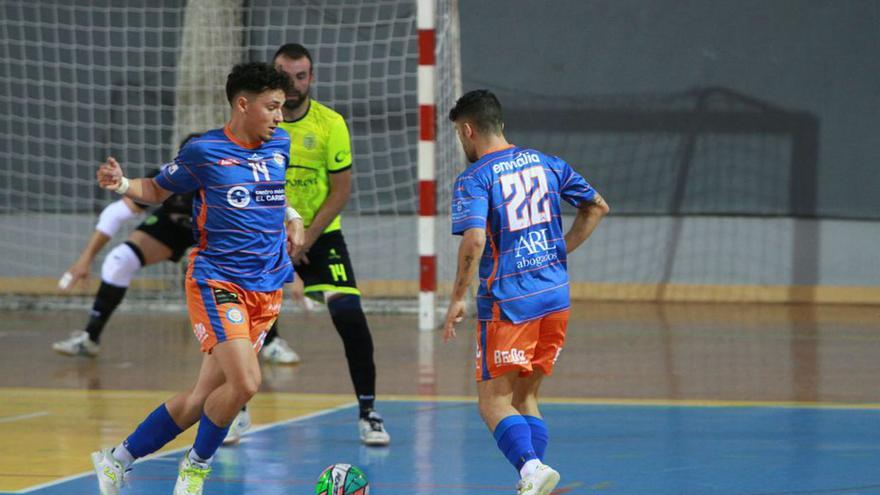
526, 194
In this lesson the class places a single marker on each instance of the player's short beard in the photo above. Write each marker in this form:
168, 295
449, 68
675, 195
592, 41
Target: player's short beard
292, 105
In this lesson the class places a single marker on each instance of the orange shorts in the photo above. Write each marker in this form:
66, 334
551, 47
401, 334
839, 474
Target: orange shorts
503, 346
221, 311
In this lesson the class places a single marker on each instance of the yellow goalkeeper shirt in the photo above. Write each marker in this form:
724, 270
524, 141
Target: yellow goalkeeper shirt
319, 146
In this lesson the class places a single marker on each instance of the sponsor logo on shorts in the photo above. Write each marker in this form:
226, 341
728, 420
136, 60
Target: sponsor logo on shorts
234, 315
513, 356
238, 196
223, 296
200, 331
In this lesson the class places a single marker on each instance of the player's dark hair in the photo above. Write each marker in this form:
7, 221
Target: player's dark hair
481, 108
293, 51
254, 77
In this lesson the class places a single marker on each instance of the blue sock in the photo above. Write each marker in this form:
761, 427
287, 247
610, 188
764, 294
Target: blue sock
540, 435
514, 438
209, 438
152, 434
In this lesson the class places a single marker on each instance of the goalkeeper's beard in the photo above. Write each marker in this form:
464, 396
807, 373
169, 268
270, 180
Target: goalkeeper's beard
294, 104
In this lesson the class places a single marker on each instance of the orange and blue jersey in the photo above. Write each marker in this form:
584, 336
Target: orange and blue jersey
515, 195
238, 210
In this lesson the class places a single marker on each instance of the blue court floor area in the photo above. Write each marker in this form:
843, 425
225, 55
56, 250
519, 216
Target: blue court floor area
442, 448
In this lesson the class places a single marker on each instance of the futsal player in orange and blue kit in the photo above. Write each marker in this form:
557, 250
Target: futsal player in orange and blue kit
506, 207
242, 225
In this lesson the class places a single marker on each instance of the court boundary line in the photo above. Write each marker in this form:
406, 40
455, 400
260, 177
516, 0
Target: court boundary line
24, 417
155, 456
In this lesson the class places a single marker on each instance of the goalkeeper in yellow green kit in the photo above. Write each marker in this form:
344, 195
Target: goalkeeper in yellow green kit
318, 187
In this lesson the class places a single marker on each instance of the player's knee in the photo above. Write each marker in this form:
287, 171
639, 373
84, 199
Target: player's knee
342, 303
247, 387
525, 405
121, 263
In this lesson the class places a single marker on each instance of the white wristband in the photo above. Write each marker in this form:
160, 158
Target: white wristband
123, 186
291, 214
64, 282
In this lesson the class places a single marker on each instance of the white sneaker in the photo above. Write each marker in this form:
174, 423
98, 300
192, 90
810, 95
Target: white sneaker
78, 344
279, 352
239, 426
111, 474
191, 476
541, 482
372, 430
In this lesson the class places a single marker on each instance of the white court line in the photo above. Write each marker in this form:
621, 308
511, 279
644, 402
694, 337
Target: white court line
20, 417
176, 451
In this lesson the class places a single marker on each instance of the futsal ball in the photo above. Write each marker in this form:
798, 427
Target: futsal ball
342, 479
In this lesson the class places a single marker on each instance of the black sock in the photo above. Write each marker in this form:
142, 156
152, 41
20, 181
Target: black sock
272, 334
106, 301
351, 324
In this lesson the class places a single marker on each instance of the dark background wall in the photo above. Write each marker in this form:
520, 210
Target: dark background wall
815, 56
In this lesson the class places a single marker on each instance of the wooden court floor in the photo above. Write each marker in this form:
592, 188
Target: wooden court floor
54, 409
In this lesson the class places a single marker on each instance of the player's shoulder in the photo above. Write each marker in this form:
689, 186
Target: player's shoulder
325, 114
208, 140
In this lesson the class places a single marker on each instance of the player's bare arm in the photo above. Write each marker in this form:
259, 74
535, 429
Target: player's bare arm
473, 241
340, 191
588, 217
145, 191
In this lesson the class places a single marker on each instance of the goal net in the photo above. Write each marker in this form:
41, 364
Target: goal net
82, 80
690, 176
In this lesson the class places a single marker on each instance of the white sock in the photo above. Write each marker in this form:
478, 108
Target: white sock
195, 457
121, 454
529, 468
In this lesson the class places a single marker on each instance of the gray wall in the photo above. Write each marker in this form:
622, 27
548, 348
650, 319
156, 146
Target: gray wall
815, 56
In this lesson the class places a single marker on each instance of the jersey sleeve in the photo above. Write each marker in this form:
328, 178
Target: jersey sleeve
338, 147
470, 205
573, 187
179, 176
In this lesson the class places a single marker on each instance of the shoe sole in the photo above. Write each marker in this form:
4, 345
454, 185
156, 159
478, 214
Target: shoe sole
73, 354
376, 443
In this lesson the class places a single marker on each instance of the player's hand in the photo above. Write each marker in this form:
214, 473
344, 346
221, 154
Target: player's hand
454, 315
310, 239
109, 174
296, 238
78, 271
